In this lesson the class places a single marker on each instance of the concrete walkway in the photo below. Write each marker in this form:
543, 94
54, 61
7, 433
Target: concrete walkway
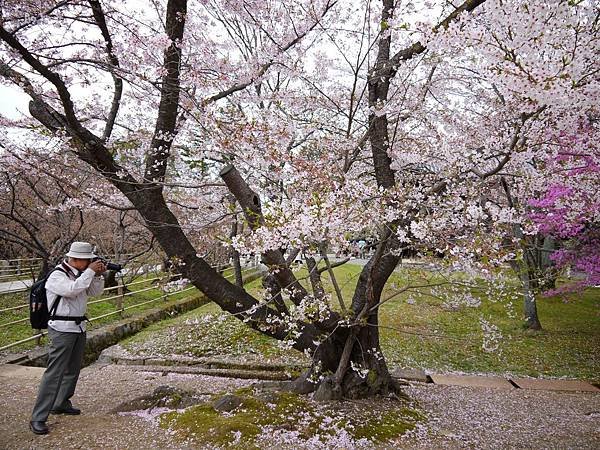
14, 286
514, 383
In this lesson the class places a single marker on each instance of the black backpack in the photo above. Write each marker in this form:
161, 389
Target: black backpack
38, 303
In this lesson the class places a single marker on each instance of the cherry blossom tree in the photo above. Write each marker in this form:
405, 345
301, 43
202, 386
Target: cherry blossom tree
312, 120
35, 217
535, 103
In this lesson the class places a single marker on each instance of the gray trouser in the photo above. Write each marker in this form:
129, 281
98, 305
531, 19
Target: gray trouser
60, 378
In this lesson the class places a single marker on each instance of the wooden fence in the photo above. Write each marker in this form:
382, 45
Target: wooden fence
117, 299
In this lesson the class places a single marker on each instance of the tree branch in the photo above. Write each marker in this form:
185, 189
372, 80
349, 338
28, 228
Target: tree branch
49, 75
263, 69
118, 82
164, 130
250, 203
329, 267
389, 69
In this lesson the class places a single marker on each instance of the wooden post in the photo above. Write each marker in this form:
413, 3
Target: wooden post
120, 300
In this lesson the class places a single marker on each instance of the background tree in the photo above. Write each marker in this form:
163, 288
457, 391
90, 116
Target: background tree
50, 203
568, 209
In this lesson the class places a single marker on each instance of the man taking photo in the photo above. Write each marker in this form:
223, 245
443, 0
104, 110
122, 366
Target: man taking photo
72, 282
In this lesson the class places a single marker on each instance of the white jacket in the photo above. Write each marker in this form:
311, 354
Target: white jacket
74, 292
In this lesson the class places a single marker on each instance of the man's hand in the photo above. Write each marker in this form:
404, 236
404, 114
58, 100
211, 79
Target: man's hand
98, 267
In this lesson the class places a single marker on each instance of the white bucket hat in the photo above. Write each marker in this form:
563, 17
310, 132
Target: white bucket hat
81, 250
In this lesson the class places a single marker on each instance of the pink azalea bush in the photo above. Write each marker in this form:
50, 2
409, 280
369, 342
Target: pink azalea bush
569, 209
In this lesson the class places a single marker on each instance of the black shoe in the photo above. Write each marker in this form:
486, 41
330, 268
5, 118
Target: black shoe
68, 410
38, 427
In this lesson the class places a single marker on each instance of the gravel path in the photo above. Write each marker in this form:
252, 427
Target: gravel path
459, 417
99, 391
466, 417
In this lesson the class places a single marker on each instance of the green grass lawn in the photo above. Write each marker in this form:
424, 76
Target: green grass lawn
13, 333
424, 331
418, 330
566, 347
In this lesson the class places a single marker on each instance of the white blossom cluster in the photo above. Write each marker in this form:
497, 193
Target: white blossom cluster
176, 285
491, 336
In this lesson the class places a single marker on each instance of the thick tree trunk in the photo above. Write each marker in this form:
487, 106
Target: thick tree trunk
349, 364
526, 269
44, 269
532, 322
549, 273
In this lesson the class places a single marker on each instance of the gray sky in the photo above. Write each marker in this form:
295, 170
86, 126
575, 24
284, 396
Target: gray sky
13, 102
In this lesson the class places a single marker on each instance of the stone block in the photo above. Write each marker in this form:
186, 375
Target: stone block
472, 381
130, 361
22, 372
555, 385
157, 362
411, 375
228, 403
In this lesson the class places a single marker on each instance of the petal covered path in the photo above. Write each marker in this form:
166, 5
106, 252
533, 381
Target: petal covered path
457, 416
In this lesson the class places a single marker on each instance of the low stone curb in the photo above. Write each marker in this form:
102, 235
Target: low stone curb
554, 385
114, 355
227, 368
495, 382
21, 372
472, 381
411, 375
267, 375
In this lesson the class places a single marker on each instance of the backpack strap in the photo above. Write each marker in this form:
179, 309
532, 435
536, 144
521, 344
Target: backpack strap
66, 269
58, 298
76, 319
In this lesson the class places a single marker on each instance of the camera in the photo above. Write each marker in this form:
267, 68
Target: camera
109, 265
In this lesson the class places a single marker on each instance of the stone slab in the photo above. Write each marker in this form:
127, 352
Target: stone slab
227, 373
472, 381
411, 375
130, 361
555, 385
23, 372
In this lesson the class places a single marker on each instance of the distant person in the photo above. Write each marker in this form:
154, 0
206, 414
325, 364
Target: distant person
361, 248
76, 279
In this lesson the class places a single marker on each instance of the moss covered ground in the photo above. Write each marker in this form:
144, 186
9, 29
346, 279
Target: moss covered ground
286, 420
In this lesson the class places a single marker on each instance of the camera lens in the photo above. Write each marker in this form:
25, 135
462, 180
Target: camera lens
113, 266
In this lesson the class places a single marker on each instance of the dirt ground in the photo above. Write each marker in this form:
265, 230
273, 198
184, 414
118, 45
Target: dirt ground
458, 417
